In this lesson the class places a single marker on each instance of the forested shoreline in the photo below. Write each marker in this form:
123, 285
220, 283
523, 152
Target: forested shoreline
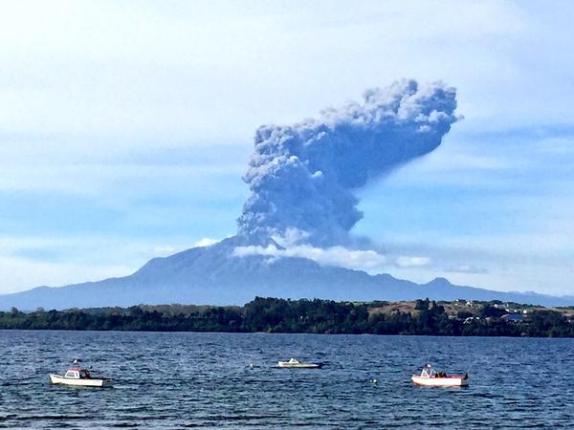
421, 317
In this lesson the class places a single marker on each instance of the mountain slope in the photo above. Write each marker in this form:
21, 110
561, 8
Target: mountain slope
211, 275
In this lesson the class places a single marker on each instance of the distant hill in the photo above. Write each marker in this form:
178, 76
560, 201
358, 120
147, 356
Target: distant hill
212, 275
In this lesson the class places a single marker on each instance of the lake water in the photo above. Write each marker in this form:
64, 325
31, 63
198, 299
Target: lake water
214, 380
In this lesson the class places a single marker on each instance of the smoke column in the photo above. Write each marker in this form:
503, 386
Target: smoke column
303, 177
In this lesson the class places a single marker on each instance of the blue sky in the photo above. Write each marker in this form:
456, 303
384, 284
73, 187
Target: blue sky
125, 128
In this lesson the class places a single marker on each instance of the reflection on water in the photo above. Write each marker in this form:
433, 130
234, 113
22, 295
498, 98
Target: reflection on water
213, 380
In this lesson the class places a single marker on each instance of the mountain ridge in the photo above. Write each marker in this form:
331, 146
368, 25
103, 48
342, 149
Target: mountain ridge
214, 276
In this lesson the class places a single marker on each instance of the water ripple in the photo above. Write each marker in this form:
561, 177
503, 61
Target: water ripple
212, 380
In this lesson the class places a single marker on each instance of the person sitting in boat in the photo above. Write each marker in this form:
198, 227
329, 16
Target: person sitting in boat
85, 374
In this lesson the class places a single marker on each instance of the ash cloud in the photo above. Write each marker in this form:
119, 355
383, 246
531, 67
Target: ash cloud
303, 177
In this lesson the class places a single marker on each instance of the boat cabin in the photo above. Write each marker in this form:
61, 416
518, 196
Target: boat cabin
428, 372
77, 373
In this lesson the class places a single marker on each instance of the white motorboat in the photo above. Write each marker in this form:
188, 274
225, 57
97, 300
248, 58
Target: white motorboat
429, 377
293, 363
78, 376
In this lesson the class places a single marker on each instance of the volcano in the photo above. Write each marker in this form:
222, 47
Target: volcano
213, 275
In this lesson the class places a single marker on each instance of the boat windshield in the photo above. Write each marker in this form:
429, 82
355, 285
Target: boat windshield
428, 372
72, 373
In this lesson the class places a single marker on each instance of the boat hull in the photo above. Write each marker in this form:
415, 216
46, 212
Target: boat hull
58, 379
449, 381
299, 366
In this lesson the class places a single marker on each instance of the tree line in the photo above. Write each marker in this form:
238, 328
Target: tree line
296, 316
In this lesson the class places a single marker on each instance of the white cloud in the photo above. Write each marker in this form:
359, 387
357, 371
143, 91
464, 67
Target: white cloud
98, 179
63, 70
27, 262
406, 261
358, 259
206, 241
20, 274
334, 256
466, 268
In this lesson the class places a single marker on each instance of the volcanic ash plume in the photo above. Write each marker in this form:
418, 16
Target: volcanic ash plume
303, 176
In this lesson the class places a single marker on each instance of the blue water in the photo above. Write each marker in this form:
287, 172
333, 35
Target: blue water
213, 380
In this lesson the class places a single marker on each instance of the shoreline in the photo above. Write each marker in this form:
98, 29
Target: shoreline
458, 318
